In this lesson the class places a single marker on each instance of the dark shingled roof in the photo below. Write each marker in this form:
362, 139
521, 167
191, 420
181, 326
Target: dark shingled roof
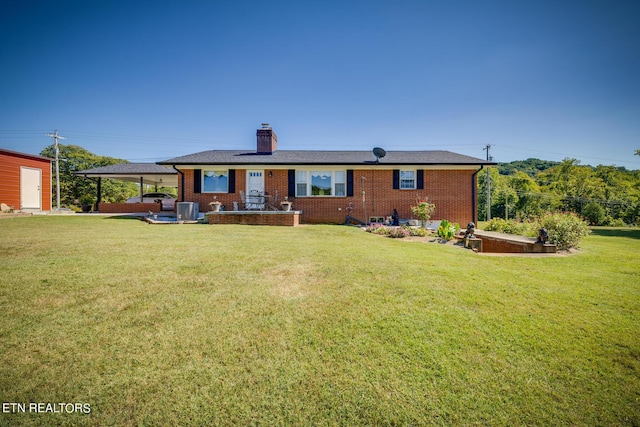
130, 168
302, 157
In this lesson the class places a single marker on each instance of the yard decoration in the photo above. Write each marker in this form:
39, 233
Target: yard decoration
86, 202
215, 205
286, 204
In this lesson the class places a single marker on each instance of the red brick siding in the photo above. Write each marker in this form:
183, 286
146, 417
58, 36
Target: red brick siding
10, 164
257, 218
449, 190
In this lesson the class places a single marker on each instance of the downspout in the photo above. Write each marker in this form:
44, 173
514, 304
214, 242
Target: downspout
474, 201
181, 182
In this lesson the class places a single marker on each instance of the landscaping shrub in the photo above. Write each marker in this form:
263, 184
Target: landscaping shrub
423, 211
377, 229
447, 230
396, 232
415, 231
497, 225
565, 229
513, 227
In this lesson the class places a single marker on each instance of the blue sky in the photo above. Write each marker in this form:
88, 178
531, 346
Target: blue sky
147, 81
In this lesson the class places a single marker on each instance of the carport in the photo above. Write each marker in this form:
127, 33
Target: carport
141, 173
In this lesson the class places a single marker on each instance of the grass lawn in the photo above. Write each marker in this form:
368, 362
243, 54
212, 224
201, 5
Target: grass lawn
314, 325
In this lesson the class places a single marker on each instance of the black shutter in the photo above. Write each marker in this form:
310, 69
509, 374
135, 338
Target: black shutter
420, 177
232, 180
292, 183
197, 180
396, 179
349, 182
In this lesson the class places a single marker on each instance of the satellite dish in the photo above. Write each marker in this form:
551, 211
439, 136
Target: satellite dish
379, 153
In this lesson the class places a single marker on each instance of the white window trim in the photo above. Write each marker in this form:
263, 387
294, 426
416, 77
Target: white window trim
415, 179
308, 183
204, 173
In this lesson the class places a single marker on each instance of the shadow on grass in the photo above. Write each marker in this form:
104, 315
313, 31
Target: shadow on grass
632, 233
139, 217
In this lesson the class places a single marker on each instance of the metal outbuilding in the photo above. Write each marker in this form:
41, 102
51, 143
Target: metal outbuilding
25, 181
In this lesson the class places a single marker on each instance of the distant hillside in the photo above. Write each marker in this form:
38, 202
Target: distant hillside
530, 166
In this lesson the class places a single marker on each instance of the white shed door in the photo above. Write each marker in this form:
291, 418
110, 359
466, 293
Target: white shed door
30, 188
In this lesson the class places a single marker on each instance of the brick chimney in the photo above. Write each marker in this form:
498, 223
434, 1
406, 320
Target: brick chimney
267, 140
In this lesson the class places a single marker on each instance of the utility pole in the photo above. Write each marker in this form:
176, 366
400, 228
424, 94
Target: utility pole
489, 158
56, 137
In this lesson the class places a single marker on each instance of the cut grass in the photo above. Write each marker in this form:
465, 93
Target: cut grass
315, 325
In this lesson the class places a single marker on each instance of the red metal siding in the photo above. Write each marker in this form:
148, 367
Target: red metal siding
10, 164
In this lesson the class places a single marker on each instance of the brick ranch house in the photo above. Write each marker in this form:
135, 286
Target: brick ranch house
326, 186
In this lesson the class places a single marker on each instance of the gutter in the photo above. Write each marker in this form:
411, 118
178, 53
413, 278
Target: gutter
474, 197
181, 182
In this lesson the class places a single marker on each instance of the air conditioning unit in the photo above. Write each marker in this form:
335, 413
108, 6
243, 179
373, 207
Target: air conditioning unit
187, 211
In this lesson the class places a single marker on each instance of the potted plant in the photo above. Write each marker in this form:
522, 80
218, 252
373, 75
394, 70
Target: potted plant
286, 204
86, 203
215, 205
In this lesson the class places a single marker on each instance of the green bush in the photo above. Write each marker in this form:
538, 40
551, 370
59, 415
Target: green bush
595, 213
496, 224
393, 232
423, 211
617, 222
565, 229
447, 230
415, 231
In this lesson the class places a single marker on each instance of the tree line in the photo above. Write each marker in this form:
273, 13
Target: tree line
77, 190
603, 195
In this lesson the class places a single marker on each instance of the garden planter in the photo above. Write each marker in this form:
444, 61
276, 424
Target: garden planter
286, 206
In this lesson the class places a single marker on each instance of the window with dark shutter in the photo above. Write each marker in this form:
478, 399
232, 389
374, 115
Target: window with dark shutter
349, 182
291, 190
197, 180
396, 179
232, 180
420, 178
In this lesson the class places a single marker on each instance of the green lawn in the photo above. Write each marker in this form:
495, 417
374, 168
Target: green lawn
314, 325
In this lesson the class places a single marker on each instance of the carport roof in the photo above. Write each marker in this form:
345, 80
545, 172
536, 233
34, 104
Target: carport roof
149, 173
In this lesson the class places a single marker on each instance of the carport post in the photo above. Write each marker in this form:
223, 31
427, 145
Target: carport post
97, 208
141, 190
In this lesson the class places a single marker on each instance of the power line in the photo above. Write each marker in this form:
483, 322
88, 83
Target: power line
55, 137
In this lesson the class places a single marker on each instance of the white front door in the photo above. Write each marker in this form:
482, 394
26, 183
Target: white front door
255, 189
30, 188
